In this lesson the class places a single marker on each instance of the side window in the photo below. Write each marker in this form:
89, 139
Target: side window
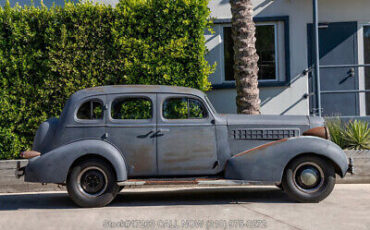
91, 110
196, 109
183, 108
131, 108
175, 108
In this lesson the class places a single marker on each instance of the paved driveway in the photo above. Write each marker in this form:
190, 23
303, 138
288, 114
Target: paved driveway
348, 207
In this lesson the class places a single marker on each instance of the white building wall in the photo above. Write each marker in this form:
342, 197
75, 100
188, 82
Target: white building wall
283, 100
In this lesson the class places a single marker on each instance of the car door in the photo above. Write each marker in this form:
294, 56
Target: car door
186, 139
130, 125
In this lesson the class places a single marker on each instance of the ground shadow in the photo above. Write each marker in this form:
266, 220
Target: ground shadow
131, 198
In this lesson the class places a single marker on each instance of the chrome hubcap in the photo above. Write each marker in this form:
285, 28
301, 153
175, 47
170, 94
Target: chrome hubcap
308, 177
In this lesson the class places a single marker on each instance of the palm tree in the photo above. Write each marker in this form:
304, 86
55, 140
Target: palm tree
245, 57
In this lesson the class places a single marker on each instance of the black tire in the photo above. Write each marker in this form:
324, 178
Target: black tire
91, 183
316, 188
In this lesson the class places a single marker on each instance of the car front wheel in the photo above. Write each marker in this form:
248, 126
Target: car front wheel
91, 183
309, 179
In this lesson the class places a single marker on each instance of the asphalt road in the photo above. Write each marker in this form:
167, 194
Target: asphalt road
348, 207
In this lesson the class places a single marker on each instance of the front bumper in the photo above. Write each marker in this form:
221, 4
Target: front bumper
351, 168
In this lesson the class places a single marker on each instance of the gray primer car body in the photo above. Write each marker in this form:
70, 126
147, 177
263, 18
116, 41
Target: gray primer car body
212, 146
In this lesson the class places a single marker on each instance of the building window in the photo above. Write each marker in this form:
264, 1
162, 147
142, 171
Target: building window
367, 69
266, 45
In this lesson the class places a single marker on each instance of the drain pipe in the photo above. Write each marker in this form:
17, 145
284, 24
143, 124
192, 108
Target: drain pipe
317, 56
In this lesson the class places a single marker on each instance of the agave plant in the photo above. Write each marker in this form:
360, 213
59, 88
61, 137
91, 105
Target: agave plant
336, 132
357, 135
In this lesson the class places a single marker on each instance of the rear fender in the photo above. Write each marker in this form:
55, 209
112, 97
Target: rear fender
267, 162
53, 166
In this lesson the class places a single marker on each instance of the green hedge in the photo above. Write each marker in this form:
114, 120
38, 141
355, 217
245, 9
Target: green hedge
47, 54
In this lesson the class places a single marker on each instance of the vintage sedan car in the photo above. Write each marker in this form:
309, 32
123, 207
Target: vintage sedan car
112, 136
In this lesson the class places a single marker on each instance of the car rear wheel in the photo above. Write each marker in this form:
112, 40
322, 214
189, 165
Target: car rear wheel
91, 183
309, 179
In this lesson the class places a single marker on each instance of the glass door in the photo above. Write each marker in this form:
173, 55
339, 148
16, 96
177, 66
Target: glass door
366, 32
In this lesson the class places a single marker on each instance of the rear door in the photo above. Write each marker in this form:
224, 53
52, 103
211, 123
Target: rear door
186, 138
130, 124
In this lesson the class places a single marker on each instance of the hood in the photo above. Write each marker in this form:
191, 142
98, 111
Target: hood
278, 120
304, 122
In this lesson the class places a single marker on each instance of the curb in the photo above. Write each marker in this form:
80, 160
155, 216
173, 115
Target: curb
361, 163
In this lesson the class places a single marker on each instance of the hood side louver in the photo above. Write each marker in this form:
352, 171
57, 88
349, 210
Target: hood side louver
263, 134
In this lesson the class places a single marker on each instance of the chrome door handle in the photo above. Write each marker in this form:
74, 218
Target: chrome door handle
159, 133
105, 136
145, 135
163, 130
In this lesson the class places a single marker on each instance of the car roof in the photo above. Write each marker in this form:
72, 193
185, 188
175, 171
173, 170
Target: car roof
118, 89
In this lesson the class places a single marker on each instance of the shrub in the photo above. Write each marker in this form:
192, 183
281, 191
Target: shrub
353, 135
48, 54
10, 144
336, 132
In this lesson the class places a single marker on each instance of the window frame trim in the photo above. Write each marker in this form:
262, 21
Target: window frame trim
261, 83
121, 121
88, 121
361, 71
166, 120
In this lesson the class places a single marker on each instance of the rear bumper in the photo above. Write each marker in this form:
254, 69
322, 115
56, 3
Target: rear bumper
19, 171
45, 169
30, 170
34, 171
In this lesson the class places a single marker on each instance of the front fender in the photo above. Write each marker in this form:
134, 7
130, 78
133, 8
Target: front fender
53, 166
267, 162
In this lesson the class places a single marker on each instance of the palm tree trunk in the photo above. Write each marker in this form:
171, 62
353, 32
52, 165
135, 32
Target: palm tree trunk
245, 57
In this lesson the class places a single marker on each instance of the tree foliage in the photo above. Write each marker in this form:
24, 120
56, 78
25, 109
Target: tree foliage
46, 54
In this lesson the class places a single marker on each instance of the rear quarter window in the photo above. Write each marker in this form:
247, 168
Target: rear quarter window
90, 110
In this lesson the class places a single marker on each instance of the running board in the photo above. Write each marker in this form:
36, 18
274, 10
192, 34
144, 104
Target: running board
198, 181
